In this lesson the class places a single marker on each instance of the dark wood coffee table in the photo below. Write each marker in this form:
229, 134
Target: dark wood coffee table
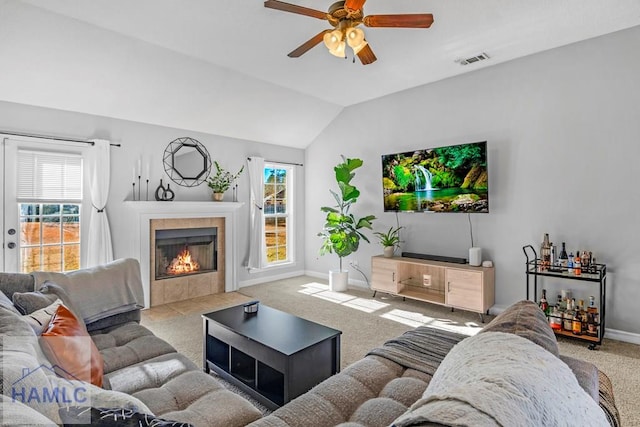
272, 355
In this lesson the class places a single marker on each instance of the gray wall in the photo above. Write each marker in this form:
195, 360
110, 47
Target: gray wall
563, 133
150, 141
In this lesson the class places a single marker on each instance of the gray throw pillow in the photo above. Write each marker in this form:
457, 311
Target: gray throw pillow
7, 303
39, 320
527, 320
28, 302
49, 292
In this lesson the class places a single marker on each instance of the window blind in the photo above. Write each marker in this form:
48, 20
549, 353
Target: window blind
49, 176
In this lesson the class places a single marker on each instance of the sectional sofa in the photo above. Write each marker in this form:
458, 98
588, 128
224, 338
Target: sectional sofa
509, 374
142, 374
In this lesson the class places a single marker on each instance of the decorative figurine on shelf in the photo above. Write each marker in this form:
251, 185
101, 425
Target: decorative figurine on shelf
164, 194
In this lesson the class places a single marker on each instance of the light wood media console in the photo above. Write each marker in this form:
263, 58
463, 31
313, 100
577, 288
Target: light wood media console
455, 285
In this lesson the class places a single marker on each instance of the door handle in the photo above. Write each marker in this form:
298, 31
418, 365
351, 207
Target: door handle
11, 245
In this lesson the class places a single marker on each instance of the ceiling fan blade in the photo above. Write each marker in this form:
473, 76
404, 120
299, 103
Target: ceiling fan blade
304, 47
354, 4
300, 10
418, 20
366, 55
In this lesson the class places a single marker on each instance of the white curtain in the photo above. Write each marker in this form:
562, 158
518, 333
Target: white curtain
256, 231
99, 249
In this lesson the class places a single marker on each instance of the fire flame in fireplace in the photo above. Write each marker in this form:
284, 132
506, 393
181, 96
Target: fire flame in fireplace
183, 263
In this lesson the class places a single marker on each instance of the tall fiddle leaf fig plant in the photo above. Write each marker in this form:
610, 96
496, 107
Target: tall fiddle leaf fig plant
341, 232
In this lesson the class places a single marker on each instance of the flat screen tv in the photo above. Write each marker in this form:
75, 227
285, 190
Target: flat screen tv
451, 178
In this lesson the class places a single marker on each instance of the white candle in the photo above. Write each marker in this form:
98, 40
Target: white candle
147, 168
139, 166
134, 174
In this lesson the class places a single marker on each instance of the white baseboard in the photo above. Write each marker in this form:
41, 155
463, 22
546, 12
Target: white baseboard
266, 279
352, 282
625, 336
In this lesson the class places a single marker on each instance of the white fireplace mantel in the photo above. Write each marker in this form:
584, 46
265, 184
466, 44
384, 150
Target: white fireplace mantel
146, 211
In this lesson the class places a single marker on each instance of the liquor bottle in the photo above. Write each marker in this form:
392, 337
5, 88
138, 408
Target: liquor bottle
592, 321
544, 304
585, 262
545, 253
563, 256
577, 264
570, 263
555, 319
576, 324
567, 321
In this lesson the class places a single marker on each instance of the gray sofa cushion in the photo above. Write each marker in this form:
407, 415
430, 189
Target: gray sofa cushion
127, 345
370, 392
527, 320
197, 398
16, 282
6, 302
28, 302
15, 413
25, 370
115, 320
23, 364
175, 388
587, 375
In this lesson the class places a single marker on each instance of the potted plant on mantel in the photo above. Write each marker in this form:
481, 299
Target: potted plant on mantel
221, 181
341, 233
389, 240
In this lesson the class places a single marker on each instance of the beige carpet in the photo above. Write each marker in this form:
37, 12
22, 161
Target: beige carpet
368, 322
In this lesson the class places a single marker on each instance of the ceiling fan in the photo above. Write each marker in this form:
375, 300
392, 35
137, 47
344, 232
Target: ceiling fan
345, 17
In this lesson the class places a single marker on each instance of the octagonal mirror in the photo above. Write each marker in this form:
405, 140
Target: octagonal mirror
187, 162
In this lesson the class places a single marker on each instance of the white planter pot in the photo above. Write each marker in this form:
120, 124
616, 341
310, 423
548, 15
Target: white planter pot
388, 251
338, 280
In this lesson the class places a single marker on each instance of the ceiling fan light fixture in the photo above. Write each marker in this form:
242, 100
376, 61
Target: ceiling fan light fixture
333, 39
339, 50
355, 37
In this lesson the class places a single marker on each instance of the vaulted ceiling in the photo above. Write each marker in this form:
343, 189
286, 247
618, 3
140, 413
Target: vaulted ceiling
221, 66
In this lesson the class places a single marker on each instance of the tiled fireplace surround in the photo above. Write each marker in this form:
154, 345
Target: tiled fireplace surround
171, 215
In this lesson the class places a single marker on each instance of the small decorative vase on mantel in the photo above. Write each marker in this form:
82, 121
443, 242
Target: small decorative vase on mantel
217, 197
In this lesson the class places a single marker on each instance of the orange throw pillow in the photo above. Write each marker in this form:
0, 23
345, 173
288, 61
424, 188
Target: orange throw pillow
70, 349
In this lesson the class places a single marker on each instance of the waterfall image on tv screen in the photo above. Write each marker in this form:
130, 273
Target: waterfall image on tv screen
452, 178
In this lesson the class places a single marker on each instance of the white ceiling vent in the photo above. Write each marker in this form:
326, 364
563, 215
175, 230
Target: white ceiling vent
480, 57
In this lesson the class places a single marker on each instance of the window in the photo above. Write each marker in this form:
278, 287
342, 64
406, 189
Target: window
49, 196
49, 237
278, 213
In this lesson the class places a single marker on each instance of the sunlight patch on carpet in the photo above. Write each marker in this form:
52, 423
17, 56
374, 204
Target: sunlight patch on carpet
321, 291
366, 305
414, 320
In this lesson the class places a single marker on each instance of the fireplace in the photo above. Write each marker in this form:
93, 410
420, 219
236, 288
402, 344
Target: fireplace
187, 258
185, 251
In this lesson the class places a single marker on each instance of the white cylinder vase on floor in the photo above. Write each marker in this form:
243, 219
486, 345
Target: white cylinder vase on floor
338, 280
